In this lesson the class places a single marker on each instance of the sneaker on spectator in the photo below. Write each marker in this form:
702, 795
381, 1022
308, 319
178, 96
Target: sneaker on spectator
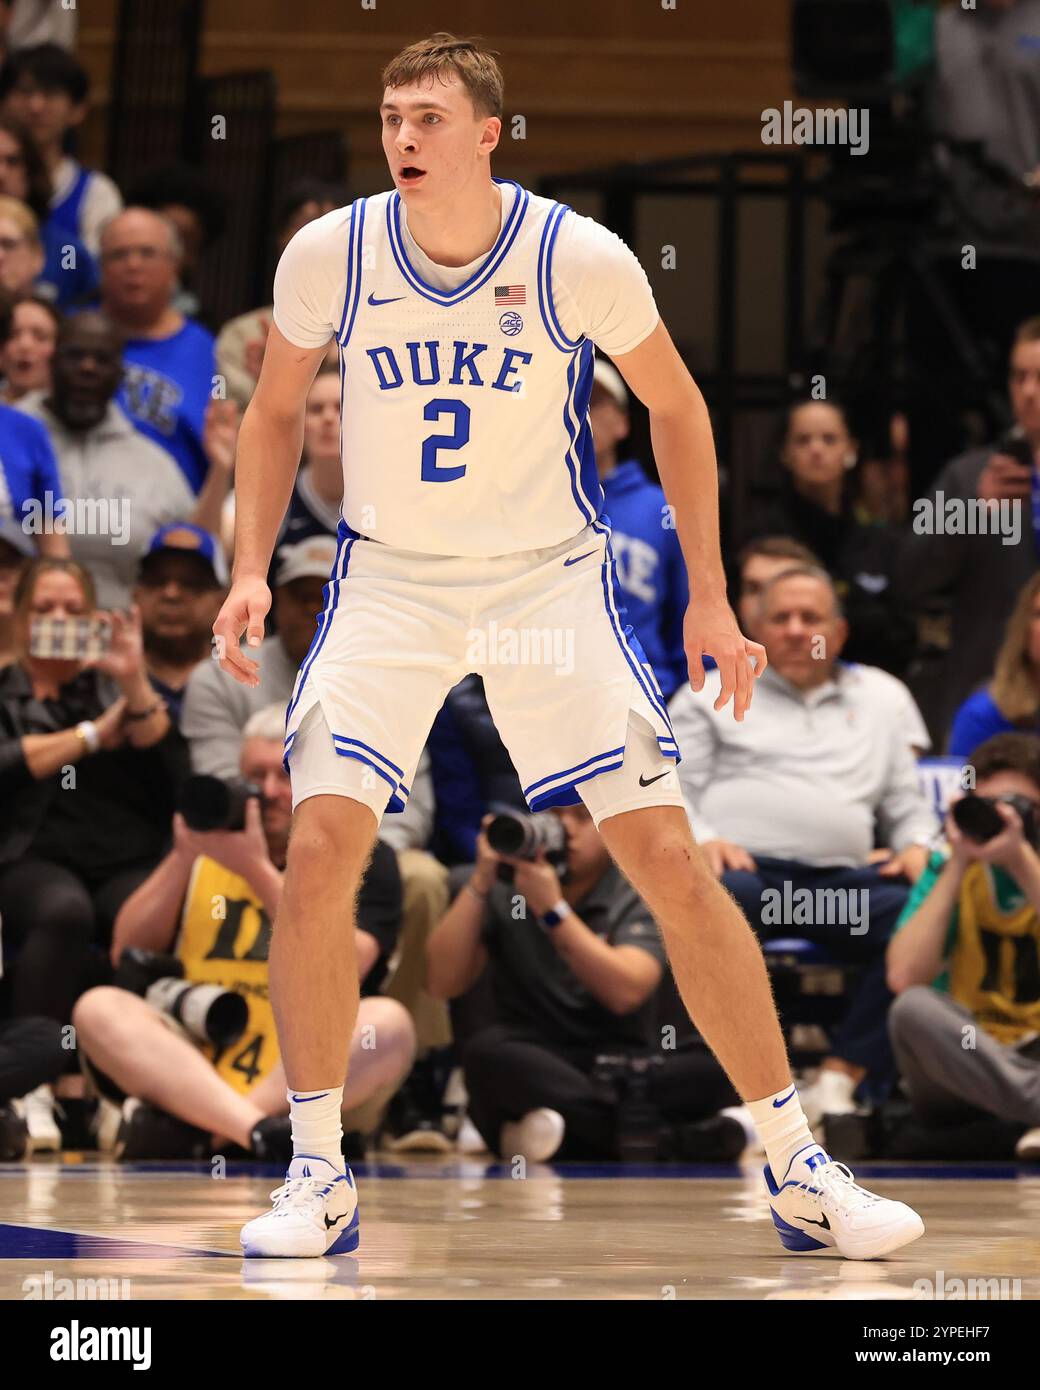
38, 1110
742, 1115
830, 1094
536, 1137
105, 1125
407, 1129
718, 1139
271, 1140
1028, 1147
14, 1137
468, 1140
145, 1132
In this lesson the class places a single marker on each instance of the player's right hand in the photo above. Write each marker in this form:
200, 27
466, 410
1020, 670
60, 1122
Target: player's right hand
244, 610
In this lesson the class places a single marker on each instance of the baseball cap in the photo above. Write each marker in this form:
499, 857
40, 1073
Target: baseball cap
605, 374
309, 559
181, 536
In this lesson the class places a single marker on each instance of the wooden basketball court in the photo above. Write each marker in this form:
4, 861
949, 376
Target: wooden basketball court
459, 1229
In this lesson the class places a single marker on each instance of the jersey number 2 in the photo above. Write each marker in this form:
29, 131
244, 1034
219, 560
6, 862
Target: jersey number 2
432, 471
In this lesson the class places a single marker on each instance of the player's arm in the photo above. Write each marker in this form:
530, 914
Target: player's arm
270, 443
685, 452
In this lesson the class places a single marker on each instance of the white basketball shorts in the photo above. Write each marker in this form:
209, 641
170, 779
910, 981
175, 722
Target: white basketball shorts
572, 695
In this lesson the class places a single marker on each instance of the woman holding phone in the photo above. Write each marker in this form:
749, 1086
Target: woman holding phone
89, 767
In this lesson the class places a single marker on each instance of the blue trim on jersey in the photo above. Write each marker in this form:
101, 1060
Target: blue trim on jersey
369, 749
554, 329
331, 594
350, 278
395, 803
585, 768
482, 275
588, 475
609, 577
355, 252
572, 423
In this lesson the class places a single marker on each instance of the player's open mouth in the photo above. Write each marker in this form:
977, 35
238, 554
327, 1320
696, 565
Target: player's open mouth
410, 175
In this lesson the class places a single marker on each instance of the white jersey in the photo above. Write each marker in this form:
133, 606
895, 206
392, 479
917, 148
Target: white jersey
465, 394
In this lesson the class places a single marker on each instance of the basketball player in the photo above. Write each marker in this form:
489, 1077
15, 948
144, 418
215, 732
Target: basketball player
466, 309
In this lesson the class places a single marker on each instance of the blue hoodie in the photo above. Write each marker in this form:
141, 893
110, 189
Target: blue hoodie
651, 572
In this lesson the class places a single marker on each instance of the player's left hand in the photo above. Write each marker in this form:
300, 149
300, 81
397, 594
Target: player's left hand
537, 881
711, 627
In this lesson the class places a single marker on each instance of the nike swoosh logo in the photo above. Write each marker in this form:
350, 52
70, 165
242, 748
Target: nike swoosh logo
374, 301
302, 1100
329, 1224
807, 1219
777, 1103
646, 781
575, 558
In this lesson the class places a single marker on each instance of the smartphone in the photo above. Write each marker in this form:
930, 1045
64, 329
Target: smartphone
83, 638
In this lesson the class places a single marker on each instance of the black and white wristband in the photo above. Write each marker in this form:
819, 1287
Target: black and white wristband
552, 919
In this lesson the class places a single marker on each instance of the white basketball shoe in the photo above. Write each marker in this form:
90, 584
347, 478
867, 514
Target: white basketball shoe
817, 1204
315, 1213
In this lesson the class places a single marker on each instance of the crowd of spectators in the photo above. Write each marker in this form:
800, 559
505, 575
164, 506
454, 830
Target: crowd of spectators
120, 402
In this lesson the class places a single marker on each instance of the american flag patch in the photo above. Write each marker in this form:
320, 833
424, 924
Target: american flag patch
510, 294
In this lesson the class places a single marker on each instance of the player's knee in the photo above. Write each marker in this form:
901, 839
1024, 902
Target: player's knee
331, 836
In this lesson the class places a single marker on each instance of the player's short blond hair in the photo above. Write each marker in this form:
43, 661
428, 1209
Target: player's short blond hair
444, 54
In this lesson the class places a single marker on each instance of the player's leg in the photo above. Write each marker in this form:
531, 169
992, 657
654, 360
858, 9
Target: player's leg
713, 952
124, 1037
719, 969
381, 1053
313, 957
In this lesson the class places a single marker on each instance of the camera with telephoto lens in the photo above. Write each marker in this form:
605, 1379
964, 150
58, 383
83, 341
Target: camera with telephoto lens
215, 803
977, 817
210, 1013
522, 834
626, 1081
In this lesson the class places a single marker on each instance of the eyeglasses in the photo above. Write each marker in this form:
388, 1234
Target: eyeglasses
123, 253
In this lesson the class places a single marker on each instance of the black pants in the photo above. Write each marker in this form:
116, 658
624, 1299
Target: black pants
509, 1072
31, 1054
56, 931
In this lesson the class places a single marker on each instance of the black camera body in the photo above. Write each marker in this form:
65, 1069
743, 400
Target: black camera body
978, 819
522, 834
213, 803
625, 1080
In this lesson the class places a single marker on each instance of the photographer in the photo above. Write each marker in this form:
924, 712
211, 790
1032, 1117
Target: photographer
573, 966
212, 902
963, 959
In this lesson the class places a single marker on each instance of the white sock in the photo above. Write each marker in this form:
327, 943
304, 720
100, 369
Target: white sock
317, 1124
782, 1128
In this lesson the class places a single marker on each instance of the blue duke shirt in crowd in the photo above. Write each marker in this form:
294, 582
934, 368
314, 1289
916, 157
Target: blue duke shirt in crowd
69, 274
166, 389
28, 468
650, 569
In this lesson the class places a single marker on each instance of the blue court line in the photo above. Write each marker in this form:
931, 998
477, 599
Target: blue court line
28, 1242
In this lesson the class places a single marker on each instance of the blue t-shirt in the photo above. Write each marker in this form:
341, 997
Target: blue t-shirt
167, 386
28, 468
977, 720
73, 283
651, 573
